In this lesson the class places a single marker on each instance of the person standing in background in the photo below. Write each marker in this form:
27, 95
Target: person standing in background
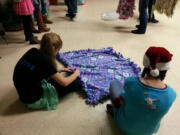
143, 18
72, 8
40, 9
151, 11
25, 9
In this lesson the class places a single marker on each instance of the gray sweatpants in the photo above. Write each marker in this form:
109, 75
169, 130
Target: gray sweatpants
116, 89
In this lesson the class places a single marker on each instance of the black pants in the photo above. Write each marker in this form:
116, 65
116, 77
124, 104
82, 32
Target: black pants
72, 6
62, 91
150, 12
27, 26
143, 5
8, 16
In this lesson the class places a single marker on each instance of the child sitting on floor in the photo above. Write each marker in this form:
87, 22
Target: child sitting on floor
37, 79
141, 103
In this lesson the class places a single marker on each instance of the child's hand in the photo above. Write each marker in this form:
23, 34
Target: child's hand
68, 70
77, 72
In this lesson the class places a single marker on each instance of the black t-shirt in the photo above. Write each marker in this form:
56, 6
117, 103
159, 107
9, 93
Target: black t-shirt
30, 70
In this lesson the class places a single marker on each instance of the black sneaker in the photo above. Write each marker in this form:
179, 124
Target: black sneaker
153, 21
71, 16
138, 31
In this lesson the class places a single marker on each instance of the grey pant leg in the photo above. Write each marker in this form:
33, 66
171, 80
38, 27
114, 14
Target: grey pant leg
116, 89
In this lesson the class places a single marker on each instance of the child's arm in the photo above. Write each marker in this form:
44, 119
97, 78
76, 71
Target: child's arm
65, 81
66, 70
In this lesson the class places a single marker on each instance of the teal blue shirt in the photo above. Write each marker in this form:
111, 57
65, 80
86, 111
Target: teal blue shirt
143, 107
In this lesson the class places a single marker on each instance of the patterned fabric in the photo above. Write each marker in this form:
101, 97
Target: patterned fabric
98, 68
25, 7
126, 8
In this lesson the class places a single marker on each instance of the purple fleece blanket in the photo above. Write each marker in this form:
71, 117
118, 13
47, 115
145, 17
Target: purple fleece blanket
98, 68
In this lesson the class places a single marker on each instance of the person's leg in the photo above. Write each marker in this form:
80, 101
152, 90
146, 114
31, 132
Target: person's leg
143, 15
34, 30
62, 91
37, 6
44, 5
75, 6
69, 6
37, 10
143, 18
28, 34
116, 89
72, 8
28, 31
139, 7
41, 26
151, 11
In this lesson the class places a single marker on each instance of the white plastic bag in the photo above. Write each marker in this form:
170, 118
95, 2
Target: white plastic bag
110, 16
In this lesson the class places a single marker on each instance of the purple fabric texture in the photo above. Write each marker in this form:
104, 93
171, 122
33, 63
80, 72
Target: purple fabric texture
98, 68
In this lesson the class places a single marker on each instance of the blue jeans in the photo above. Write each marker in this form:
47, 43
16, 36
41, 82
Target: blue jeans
116, 89
72, 6
143, 17
41, 6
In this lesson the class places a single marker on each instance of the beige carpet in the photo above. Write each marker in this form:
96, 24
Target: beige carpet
73, 116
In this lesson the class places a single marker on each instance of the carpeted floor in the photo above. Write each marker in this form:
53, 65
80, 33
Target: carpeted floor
73, 116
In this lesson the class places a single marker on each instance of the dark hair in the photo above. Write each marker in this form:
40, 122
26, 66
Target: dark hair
146, 72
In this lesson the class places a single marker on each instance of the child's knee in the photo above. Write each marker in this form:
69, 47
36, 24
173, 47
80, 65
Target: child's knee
115, 83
